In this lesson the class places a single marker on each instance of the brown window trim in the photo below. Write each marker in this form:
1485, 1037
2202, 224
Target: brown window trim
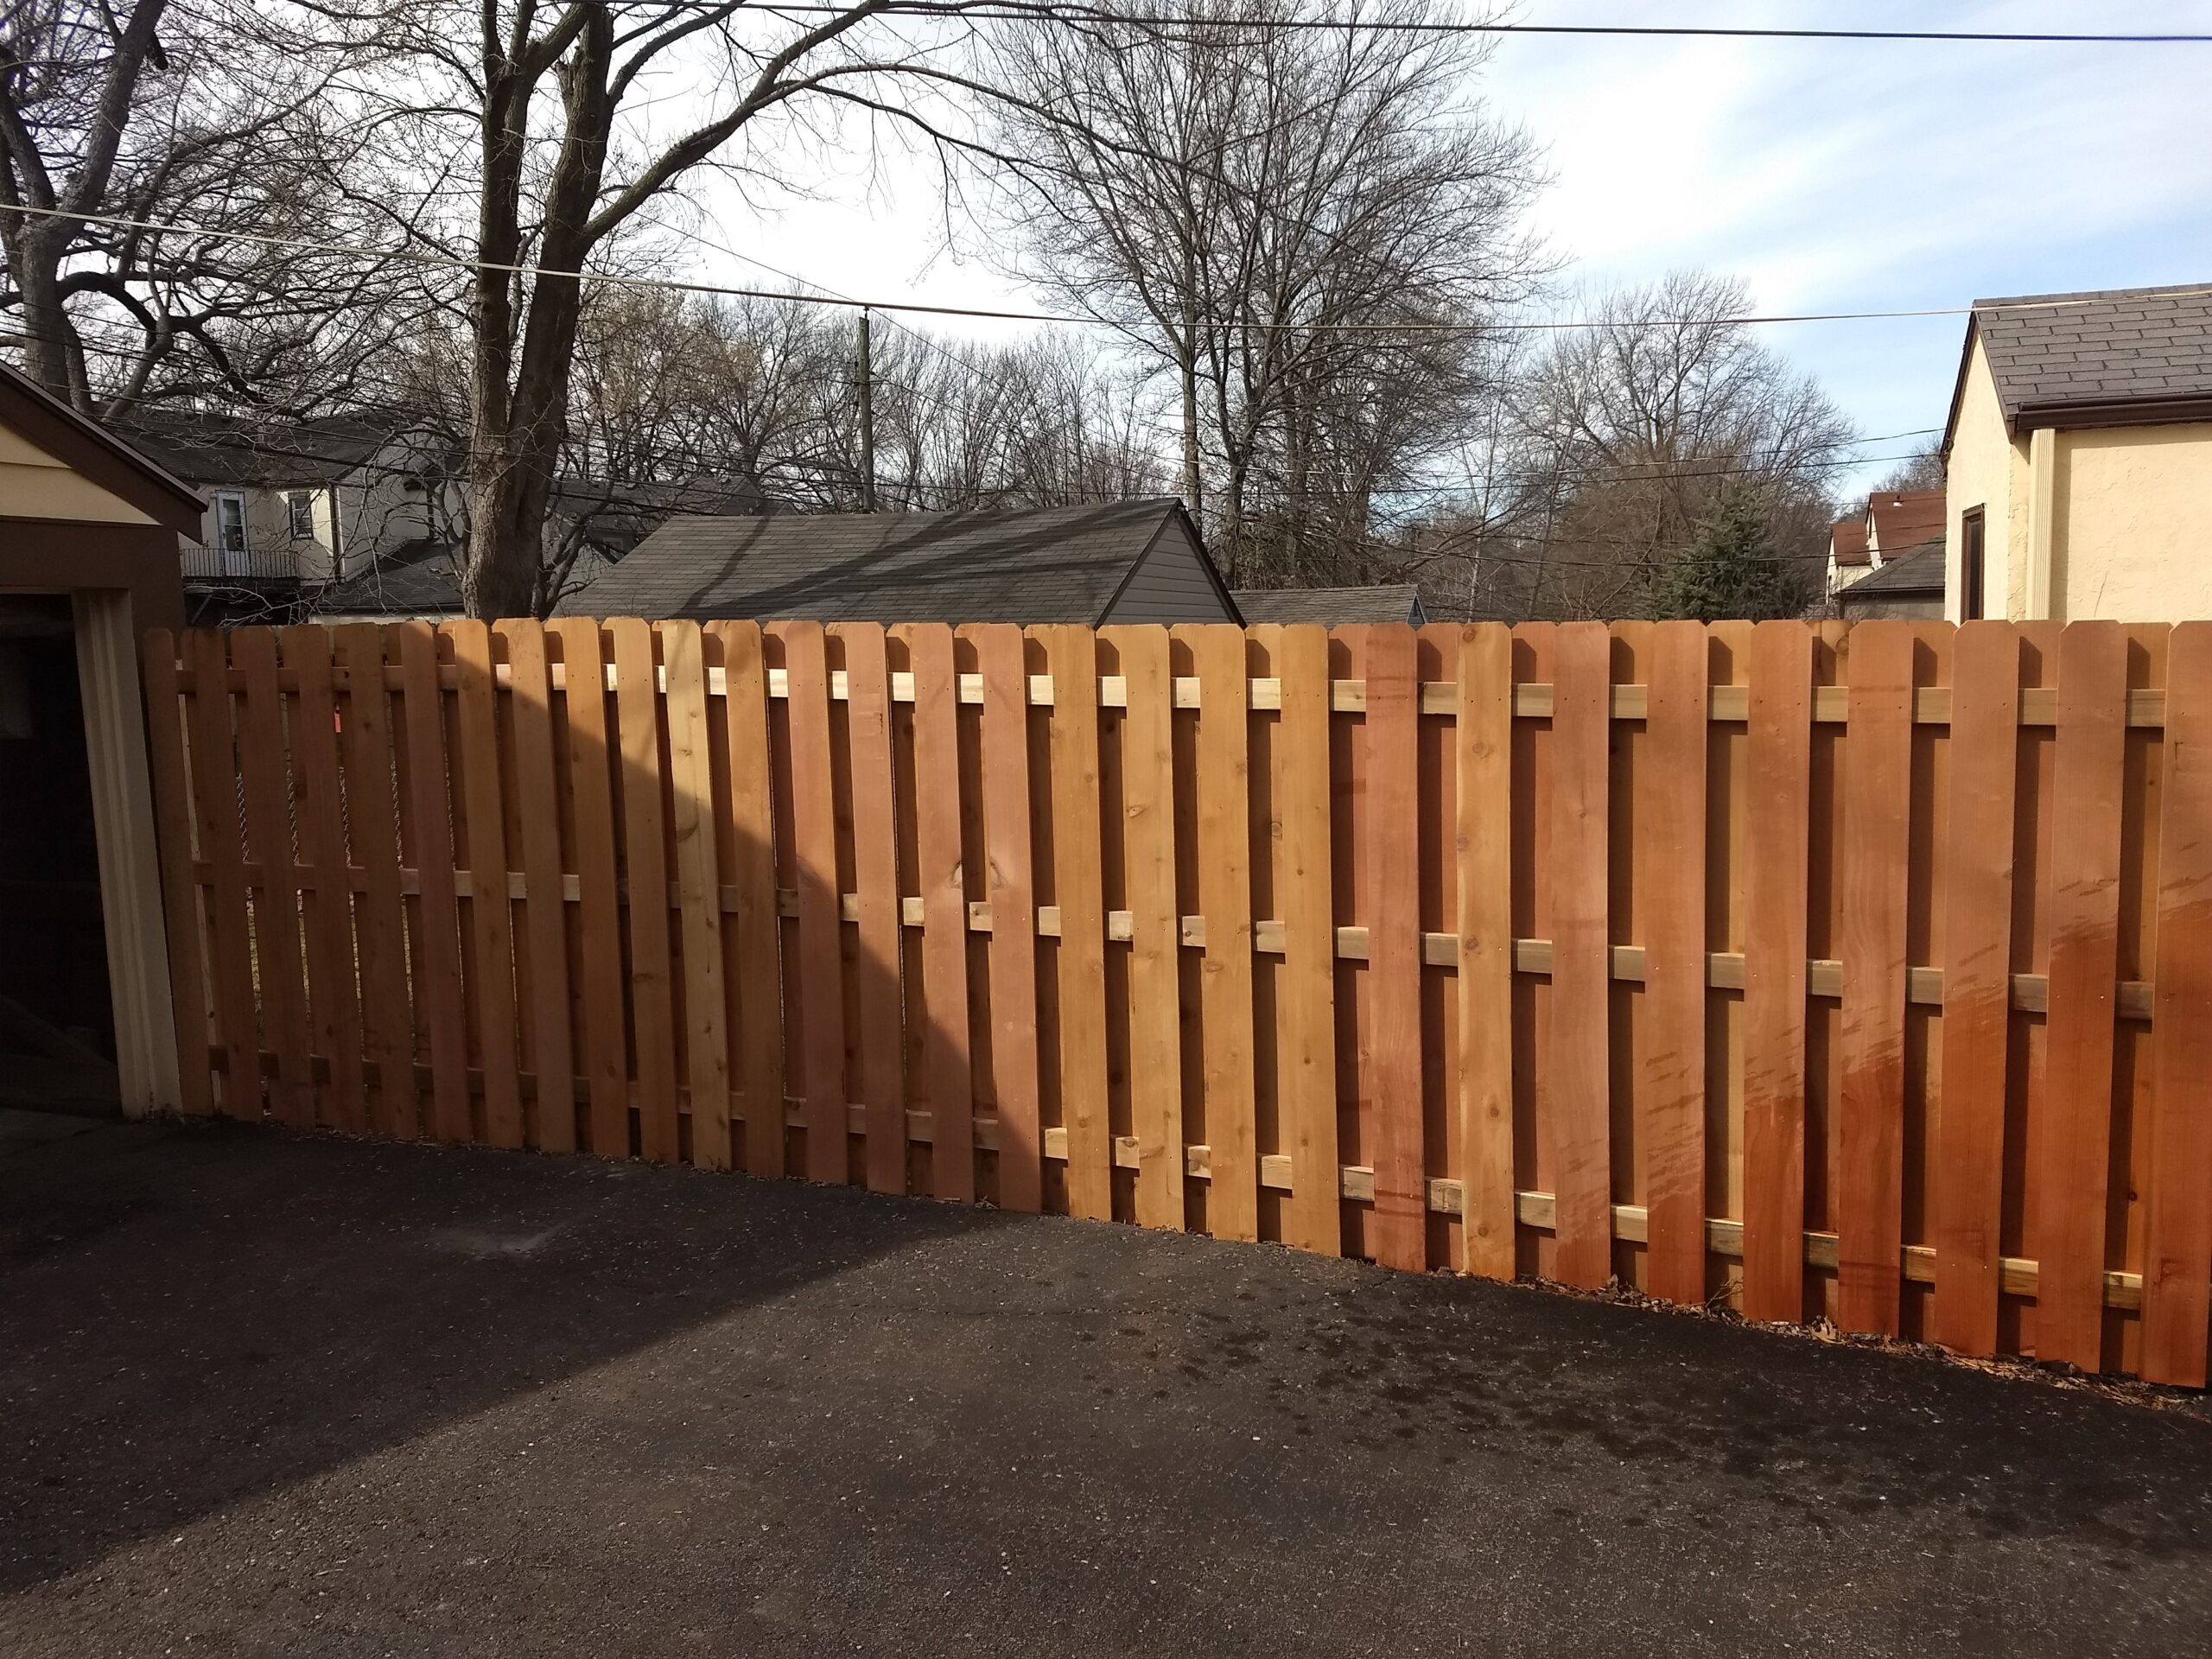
1973, 559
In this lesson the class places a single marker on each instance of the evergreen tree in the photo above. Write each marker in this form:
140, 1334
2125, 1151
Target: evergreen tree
1731, 569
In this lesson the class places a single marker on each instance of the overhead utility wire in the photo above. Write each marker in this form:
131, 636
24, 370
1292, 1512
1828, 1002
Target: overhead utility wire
452, 262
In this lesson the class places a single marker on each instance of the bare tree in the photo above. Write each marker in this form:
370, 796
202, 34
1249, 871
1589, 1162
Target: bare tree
1632, 429
1296, 226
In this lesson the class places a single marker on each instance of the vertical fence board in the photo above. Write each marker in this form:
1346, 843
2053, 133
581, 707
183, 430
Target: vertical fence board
435, 972
1671, 846
214, 766
591, 762
373, 825
2087, 781
545, 935
1305, 1002
753, 987
491, 910
1073, 656
1582, 979
1779, 762
653, 1006
698, 887
1977, 983
333, 994
1483, 844
948, 1064
877, 959
1224, 851
1010, 894
1876, 855
1397, 1234
820, 976
265, 783
2177, 1223
1155, 928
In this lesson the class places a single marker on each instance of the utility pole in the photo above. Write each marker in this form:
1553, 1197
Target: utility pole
867, 422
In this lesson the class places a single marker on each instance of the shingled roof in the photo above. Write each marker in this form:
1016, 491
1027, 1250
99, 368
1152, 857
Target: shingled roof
1042, 564
1389, 601
2117, 355
1920, 571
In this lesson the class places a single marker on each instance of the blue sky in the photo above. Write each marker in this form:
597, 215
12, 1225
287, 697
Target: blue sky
1830, 175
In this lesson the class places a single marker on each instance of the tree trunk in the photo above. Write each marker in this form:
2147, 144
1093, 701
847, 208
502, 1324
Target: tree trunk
34, 258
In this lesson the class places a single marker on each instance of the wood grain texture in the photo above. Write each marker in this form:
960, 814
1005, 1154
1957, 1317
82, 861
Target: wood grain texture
1398, 1227
380, 917
1580, 1025
878, 992
692, 822
1155, 923
1670, 852
1010, 886
1876, 855
435, 966
333, 989
265, 785
172, 789
552, 1123
1224, 864
1779, 764
946, 1060
2088, 783
751, 945
820, 978
644, 868
491, 914
604, 1003
1967, 1174
1073, 655
2177, 1196
1306, 995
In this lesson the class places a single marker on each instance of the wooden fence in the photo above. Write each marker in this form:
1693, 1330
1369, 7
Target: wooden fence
1859, 974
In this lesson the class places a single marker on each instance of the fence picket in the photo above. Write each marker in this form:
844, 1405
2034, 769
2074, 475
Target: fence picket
435, 965
645, 844
552, 1126
1073, 659
214, 793
1877, 857
491, 908
1399, 1219
265, 786
172, 789
820, 976
876, 994
698, 887
1778, 817
598, 909
333, 993
1581, 1012
2178, 1220
1010, 894
1977, 983
751, 945
946, 1060
380, 915
1670, 871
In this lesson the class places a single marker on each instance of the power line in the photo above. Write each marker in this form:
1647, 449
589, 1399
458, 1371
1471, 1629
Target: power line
453, 262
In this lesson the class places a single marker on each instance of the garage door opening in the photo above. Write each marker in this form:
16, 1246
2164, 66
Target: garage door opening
57, 1017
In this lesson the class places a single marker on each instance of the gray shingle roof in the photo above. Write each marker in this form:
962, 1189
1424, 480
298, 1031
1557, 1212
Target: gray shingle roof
418, 579
1043, 564
1920, 571
1394, 602
2123, 344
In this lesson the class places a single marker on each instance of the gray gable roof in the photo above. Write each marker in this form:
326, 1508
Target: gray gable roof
1920, 571
1043, 564
1389, 601
2120, 346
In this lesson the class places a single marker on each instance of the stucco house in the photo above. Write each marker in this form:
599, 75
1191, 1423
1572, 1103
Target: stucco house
2078, 458
1137, 561
1892, 524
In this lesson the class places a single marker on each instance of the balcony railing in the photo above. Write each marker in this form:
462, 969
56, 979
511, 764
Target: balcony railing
262, 566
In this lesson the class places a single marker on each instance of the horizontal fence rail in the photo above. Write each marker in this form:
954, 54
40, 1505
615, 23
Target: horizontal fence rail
1854, 973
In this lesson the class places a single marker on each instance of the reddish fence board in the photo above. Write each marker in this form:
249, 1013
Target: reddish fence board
1862, 971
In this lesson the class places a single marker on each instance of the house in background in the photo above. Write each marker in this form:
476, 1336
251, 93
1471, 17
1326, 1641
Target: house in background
1139, 560
2079, 458
1893, 524
1907, 585
1334, 607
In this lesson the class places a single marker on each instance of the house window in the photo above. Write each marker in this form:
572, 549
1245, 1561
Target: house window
1970, 565
301, 505
229, 521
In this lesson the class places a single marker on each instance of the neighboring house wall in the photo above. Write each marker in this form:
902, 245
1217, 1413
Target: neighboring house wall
34, 485
2093, 522
1170, 584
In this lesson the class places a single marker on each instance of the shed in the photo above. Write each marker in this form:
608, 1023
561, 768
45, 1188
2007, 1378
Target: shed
88, 562
1138, 561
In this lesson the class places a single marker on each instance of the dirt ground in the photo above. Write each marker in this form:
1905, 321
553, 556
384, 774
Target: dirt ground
269, 1394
